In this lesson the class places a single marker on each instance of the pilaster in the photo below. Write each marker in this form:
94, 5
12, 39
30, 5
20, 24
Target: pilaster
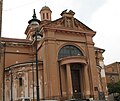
87, 84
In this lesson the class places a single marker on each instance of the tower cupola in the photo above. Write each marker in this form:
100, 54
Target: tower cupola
45, 13
32, 27
34, 22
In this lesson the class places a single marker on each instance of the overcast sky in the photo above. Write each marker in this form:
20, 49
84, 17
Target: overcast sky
103, 16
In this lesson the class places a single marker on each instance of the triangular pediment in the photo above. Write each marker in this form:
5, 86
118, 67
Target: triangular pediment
80, 26
68, 23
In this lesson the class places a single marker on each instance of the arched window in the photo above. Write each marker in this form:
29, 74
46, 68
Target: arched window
43, 15
47, 15
20, 81
69, 50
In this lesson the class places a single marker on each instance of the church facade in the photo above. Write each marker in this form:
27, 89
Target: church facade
69, 65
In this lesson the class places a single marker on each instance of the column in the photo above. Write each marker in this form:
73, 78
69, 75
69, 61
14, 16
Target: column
87, 84
69, 80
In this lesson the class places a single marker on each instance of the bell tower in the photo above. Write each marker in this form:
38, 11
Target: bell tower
45, 13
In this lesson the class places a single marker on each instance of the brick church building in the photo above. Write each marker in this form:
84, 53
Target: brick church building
69, 65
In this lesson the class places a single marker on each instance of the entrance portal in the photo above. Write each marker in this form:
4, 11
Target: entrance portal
76, 80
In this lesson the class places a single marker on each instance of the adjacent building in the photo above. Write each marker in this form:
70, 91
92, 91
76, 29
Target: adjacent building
69, 66
112, 72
